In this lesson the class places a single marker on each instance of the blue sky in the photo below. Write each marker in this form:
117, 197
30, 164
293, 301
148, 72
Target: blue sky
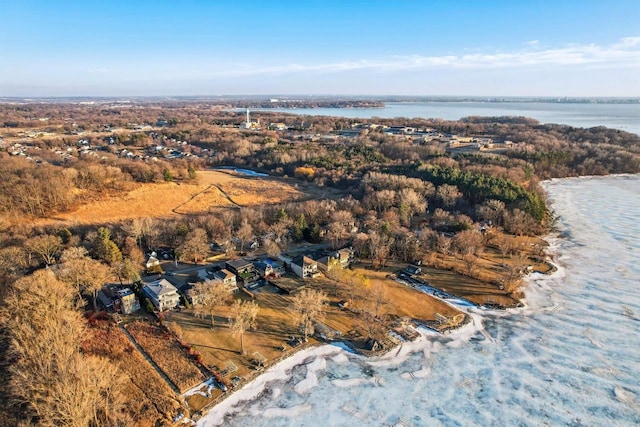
428, 47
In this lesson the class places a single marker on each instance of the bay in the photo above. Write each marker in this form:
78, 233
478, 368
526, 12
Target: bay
618, 116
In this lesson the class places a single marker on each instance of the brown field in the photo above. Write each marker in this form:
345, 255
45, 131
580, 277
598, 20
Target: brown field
213, 189
148, 399
167, 353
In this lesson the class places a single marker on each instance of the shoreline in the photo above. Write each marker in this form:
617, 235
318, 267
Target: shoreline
544, 297
475, 315
215, 412
421, 329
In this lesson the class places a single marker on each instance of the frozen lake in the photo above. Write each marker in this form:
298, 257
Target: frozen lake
571, 357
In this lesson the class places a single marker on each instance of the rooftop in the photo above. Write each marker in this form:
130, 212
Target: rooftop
161, 287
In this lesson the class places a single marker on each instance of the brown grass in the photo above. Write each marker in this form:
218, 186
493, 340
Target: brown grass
212, 190
149, 400
276, 324
167, 353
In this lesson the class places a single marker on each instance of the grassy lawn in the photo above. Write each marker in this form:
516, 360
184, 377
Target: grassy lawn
276, 324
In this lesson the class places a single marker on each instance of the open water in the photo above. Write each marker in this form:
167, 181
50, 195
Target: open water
571, 357
618, 116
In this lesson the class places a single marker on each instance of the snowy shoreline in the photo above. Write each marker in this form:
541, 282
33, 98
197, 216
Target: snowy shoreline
314, 358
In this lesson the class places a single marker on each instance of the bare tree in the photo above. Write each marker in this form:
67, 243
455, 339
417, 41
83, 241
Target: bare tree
47, 247
13, 261
353, 283
308, 305
207, 297
443, 244
271, 248
468, 242
492, 210
471, 263
377, 298
244, 234
448, 195
59, 384
334, 233
379, 249
195, 245
87, 275
413, 202
243, 318
513, 276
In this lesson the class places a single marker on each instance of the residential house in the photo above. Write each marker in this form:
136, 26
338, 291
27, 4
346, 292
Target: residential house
251, 245
342, 257
227, 278
163, 295
268, 267
127, 301
152, 261
304, 267
239, 266
204, 275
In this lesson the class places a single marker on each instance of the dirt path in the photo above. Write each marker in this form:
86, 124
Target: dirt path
201, 192
224, 193
175, 210
150, 360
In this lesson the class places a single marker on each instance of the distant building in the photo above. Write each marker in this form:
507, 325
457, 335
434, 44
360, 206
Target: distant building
163, 295
248, 124
277, 126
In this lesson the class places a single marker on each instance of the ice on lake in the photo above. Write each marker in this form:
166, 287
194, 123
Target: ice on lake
570, 357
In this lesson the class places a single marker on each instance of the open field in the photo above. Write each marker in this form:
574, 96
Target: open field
212, 190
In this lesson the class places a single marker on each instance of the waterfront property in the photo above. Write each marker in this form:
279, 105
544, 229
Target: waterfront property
162, 294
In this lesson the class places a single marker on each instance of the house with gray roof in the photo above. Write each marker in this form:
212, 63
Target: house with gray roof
163, 295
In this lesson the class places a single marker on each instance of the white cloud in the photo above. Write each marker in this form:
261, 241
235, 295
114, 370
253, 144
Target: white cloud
625, 53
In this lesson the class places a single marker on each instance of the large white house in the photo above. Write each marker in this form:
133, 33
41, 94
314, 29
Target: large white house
163, 295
